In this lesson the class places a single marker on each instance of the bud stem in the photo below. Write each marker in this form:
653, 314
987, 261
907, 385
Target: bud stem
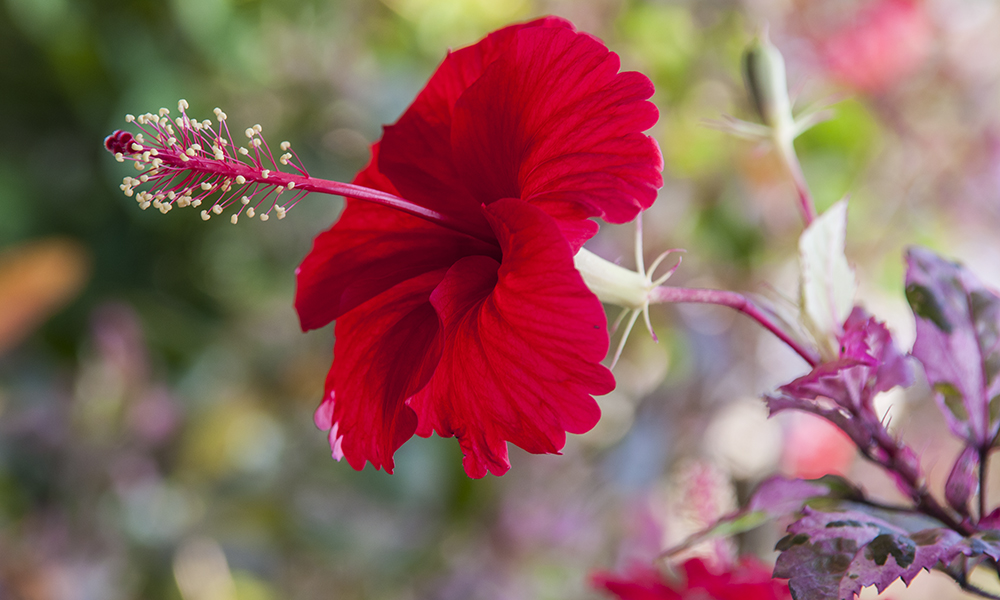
786, 150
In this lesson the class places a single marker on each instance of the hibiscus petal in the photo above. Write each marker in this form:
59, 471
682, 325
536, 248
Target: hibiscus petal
523, 345
370, 249
553, 120
386, 350
417, 151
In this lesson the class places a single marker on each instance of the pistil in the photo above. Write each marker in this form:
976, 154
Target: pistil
183, 162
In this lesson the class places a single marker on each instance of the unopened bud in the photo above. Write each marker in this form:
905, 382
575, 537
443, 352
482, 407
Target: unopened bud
963, 481
764, 77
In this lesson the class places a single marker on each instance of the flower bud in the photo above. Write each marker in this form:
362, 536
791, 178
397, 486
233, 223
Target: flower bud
963, 480
764, 77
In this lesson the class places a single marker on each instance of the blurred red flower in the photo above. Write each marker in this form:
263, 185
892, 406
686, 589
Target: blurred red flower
748, 580
490, 334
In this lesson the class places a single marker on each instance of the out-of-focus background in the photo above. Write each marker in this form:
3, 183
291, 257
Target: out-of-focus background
156, 439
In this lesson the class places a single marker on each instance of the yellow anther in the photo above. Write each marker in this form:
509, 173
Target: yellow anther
264, 174
234, 219
250, 212
182, 104
291, 184
286, 145
263, 216
217, 209
129, 118
241, 179
205, 216
164, 112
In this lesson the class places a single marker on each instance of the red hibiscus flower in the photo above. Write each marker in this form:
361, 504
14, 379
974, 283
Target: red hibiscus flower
484, 331
749, 580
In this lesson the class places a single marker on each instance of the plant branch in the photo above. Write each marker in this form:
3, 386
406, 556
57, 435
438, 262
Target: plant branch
962, 579
984, 455
908, 471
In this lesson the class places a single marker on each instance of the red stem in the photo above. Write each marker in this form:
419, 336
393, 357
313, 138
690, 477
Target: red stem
737, 302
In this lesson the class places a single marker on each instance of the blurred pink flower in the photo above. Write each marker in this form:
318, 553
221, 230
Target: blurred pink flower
815, 447
879, 46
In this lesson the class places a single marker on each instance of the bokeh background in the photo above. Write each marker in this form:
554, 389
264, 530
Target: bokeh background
156, 438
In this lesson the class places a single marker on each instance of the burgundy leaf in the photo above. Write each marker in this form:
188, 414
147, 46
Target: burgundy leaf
835, 554
958, 343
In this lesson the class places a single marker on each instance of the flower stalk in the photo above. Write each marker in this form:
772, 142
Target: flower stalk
634, 291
